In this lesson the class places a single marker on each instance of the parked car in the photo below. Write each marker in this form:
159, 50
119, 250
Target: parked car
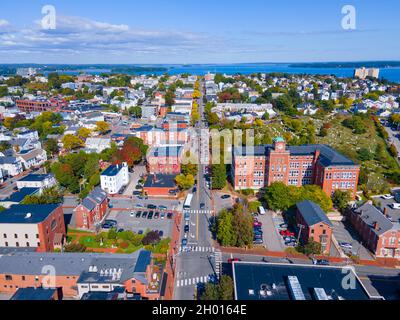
387, 197
169, 215
162, 215
187, 216
136, 193
162, 208
138, 214
395, 206
160, 233
283, 226
257, 224
186, 228
320, 262
120, 230
202, 206
225, 196
156, 215
184, 242
346, 245
144, 214
258, 241
140, 232
234, 260
286, 233
111, 222
151, 206
107, 226
150, 216
132, 214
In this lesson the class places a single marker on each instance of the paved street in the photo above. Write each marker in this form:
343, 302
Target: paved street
128, 204
194, 267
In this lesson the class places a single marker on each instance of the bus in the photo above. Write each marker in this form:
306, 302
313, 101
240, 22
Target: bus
188, 201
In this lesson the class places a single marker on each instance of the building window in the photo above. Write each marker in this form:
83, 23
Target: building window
17, 244
5, 236
26, 236
15, 236
8, 277
23, 278
37, 236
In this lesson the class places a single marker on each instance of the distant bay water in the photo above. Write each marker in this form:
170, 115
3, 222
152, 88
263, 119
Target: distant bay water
390, 73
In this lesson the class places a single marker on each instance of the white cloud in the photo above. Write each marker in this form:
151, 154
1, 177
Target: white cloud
82, 35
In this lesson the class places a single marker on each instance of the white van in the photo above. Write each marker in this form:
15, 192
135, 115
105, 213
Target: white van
261, 211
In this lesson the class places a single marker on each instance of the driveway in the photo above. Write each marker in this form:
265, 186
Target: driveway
134, 178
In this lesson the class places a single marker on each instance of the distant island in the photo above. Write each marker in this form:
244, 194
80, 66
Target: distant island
10, 69
354, 65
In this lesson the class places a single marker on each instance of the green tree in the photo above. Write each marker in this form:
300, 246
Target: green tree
210, 293
341, 199
364, 154
225, 231
225, 288
102, 127
218, 173
51, 147
71, 142
189, 168
311, 248
185, 182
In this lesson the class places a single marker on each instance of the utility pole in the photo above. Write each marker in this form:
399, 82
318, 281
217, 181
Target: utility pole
301, 227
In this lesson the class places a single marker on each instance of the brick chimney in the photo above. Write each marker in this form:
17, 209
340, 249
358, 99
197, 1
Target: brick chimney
317, 154
385, 212
376, 225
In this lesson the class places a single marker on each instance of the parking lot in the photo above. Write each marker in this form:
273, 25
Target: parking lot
272, 240
220, 204
344, 233
385, 204
139, 203
141, 224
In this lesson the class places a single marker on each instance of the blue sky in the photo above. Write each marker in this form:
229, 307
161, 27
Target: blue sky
177, 31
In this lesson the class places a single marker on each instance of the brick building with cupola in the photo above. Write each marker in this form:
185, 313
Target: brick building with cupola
260, 166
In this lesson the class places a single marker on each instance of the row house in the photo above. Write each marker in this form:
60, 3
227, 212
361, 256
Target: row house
260, 166
378, 233
77, 274
10, 166
155, 137
164, 159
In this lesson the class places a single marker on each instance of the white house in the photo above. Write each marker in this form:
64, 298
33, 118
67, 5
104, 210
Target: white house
97, 145
114, 178
11, 166
32, 158
41, 181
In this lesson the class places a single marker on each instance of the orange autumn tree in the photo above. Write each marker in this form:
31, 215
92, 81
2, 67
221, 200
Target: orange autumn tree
132, 152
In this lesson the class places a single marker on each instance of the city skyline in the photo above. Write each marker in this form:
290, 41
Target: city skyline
129, 32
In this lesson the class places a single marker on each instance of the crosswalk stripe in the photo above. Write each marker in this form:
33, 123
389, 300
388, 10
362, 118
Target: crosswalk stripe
190, 282
177, 283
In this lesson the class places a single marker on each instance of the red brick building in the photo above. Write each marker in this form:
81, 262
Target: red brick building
32, 226
260, 166
378, 233
154, 136
92, 210
315, 225
164, 160
40, 105
161, 185
80, 273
